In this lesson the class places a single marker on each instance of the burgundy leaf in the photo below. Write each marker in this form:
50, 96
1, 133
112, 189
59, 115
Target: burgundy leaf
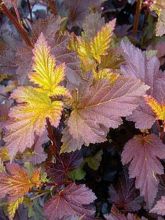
116, 215
66, 162
143, 154
70, 201
124, 195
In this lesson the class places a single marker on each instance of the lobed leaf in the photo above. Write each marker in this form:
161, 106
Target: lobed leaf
70, 202
143, 154
15, 183
101, 106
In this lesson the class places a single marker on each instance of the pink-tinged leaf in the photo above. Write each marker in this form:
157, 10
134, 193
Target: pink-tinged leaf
58, 44
159, 208
66, 162
124, 195
138, 64
143, 154
69, 202
39, 155
142, 116
69, 143
143, 66
101, 106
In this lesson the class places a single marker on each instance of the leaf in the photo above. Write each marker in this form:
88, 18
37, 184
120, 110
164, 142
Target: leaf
70, 202
77, 174
101, 41
124, 195
143, 154
92, 24
13, 206
94, 161
158, 109
29, 118
101, 106
160, 25
146, 68
159, 208
64, 164
116, 215
15, 183
46, 75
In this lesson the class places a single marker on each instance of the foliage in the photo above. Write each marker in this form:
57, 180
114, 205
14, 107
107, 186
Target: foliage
82, 110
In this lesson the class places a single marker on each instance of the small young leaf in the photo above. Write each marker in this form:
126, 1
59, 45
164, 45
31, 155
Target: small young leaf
46, 75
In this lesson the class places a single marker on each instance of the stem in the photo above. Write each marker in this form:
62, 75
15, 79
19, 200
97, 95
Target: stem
30, 11
137, 16
16, 23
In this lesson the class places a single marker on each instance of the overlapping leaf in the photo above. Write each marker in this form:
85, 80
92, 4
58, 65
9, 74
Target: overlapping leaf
124, 195
70, 202
101, 106
143, 66
143, 154
15, 183
46, 75
91, 51
35, 105
159, 208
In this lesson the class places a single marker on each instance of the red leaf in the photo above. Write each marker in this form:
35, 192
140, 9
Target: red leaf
143, 154
70, 202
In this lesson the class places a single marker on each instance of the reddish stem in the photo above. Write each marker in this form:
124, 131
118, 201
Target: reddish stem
137, 16
16, 23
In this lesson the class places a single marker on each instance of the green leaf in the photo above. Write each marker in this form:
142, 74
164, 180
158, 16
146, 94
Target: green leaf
77, 174
94, 161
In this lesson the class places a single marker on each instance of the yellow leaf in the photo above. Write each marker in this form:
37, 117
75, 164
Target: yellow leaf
13, 206
29, 118
105, 74
4, 154
47, 75
101, 42
157, 108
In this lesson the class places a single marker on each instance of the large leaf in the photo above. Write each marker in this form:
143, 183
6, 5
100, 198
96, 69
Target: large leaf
143, 66
16, 182
70, 202
29, 118
143, 154
101, 106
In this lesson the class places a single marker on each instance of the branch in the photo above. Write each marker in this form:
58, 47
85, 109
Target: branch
16, 23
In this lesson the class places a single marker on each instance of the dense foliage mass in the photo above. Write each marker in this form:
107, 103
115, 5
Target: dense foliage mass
82, 109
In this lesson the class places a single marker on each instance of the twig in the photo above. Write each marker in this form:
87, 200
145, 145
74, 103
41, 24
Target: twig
30, 11
137, 16
16, 23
